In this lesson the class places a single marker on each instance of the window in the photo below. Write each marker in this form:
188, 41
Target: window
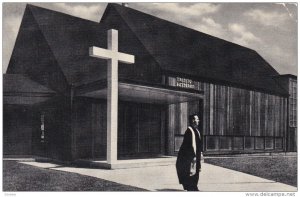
269, 143
225, 143
238, 143
249, 142
278, 143
212, 143
259, 143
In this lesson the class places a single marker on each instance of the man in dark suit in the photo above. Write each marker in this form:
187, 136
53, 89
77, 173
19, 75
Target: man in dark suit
188, 163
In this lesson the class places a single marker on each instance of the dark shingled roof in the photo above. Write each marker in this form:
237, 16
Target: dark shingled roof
182, 50
158, 45
67, 40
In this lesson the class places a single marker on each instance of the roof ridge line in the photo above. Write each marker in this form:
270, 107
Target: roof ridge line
138, 38
182, 26
268, 65
59, 12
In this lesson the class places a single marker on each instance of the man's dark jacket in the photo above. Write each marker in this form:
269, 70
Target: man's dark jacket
186, 154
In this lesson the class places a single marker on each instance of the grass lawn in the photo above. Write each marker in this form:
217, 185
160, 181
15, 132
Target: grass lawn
21, 177
280, 169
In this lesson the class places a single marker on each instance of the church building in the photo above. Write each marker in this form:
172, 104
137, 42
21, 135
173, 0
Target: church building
64, 101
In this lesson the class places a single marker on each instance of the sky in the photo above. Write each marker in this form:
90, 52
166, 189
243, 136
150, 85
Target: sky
268, 28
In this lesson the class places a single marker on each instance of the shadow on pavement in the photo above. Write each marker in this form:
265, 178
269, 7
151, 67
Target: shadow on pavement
169, 190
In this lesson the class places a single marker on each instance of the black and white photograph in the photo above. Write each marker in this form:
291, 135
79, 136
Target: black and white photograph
150, 97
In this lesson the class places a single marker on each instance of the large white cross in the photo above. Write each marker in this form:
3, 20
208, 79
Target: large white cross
113, 56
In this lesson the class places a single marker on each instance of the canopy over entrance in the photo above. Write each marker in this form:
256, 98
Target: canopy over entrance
21, 90
147, 94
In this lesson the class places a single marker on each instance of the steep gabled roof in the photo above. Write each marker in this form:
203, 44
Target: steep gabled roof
52, 49
182, 50
67, 39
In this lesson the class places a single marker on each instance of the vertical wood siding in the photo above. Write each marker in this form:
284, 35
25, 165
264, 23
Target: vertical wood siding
235, 111
231, 111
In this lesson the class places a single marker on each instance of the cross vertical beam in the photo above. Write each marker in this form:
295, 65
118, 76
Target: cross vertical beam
112, 111
112, 99
113, 56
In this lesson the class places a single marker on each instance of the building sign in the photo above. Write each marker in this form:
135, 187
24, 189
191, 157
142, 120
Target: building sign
184, 83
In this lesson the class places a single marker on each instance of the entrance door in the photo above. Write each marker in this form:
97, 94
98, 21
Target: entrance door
139, 132
39, 141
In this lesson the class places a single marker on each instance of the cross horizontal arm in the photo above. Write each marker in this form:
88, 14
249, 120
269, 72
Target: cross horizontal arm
108, 54
100, 53
126, 58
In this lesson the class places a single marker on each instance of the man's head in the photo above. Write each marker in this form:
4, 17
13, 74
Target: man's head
194, 120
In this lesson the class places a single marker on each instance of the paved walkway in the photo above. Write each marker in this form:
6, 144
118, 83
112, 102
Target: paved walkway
164, 178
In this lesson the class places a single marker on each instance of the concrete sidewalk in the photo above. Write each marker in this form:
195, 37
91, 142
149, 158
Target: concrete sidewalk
164, 178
